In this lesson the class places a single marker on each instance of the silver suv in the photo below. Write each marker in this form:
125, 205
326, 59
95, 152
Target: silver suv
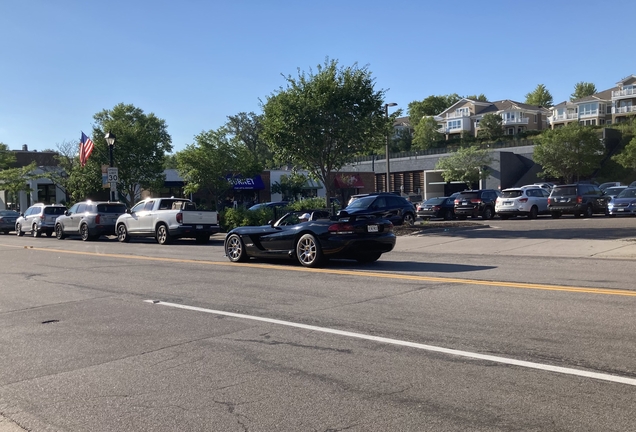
89, 220
39, 219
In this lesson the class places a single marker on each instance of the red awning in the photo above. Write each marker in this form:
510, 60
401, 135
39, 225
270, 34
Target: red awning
348, 181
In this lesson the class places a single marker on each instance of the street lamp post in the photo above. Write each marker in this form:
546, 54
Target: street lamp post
388, 168
110, 139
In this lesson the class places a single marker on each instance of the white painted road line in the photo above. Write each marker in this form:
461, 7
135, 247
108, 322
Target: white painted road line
496, 359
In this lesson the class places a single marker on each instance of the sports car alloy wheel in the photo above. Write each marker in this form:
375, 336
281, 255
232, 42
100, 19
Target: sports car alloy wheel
234, 249
308, 251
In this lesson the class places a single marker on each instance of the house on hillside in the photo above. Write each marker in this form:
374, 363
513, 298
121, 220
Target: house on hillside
464, 117
613, 105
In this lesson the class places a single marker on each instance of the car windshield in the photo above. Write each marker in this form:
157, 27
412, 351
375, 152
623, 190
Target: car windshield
54, 210
627, 193
435, 201
511, 193
111, 208
565, 190
361, 203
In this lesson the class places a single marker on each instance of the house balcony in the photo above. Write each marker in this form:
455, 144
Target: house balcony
591, 114
624, 109
515, 121
623, 94
446, 130
564, 117
456, 115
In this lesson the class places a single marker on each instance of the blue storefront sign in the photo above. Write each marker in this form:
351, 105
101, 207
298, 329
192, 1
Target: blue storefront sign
251, 183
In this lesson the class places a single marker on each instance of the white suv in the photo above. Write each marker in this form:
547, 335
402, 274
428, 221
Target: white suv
39, 219
527, 200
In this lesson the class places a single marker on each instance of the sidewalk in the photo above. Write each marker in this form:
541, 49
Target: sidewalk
449, 242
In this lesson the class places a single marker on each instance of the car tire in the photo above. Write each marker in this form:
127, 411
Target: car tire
18, 230
35, 232
487, 214
85, 234
448, 215
555, 215
534, 212
589, 212
235, 249
308, 251
59, 232
369, 257
122, 233
408, 219
162, 235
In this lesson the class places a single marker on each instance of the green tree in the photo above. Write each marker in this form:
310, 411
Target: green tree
570, 153
7, 157
215, 155
290, 186
402, 140
583, 89
247, 127
15, 180
431, 106
539, 96
481, 98
490, 127
426, 134
468, 164
627, 157
139, 153
322, 120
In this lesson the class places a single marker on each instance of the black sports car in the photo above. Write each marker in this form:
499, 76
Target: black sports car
363, 238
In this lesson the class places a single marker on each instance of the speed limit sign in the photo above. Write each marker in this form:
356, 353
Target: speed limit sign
113, 175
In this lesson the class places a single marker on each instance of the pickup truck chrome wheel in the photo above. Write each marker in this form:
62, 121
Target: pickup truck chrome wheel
122, 233
308, 251
162, 235
234, 249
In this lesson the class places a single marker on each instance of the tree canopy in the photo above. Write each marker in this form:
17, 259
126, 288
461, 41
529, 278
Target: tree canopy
323, 119
247, 128
7, 157
490, 126
215, 157
539, 96
431, 106
583, 89
142, 142
468, 164
627, 157
426, 134
570, 153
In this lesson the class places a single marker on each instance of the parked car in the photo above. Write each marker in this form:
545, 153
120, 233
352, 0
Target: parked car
89, 220
632, 184
438, 207
39, 219
167, 219
545, 185
613, 191
624, 203
386, 205
606, 185
273, 204
7, 220
525, 201
476, 203
363, 238
577, 199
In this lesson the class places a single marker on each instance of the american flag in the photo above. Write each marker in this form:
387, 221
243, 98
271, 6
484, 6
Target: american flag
86, 148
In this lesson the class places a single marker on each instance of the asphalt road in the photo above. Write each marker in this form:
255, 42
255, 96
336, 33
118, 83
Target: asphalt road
450, 332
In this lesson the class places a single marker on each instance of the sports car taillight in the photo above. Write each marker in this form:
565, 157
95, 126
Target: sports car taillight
179, 217
341, 228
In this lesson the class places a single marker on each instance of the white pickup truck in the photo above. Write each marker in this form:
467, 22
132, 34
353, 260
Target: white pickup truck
167, 219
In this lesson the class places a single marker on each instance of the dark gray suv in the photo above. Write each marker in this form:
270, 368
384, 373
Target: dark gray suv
476, 203
577, 199
89, 220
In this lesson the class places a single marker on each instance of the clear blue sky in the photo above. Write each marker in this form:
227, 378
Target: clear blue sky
195, 62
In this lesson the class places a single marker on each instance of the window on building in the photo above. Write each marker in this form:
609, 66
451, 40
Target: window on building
455, 124
46, 193
465, 111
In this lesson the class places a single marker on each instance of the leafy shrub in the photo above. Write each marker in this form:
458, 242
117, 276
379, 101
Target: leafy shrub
231, 218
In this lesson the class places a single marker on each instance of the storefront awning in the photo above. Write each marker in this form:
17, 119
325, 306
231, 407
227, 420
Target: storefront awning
348, 181
311, 184
241, 183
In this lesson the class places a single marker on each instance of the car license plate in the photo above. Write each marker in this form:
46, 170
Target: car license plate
199, 226
620, 209
372, 228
